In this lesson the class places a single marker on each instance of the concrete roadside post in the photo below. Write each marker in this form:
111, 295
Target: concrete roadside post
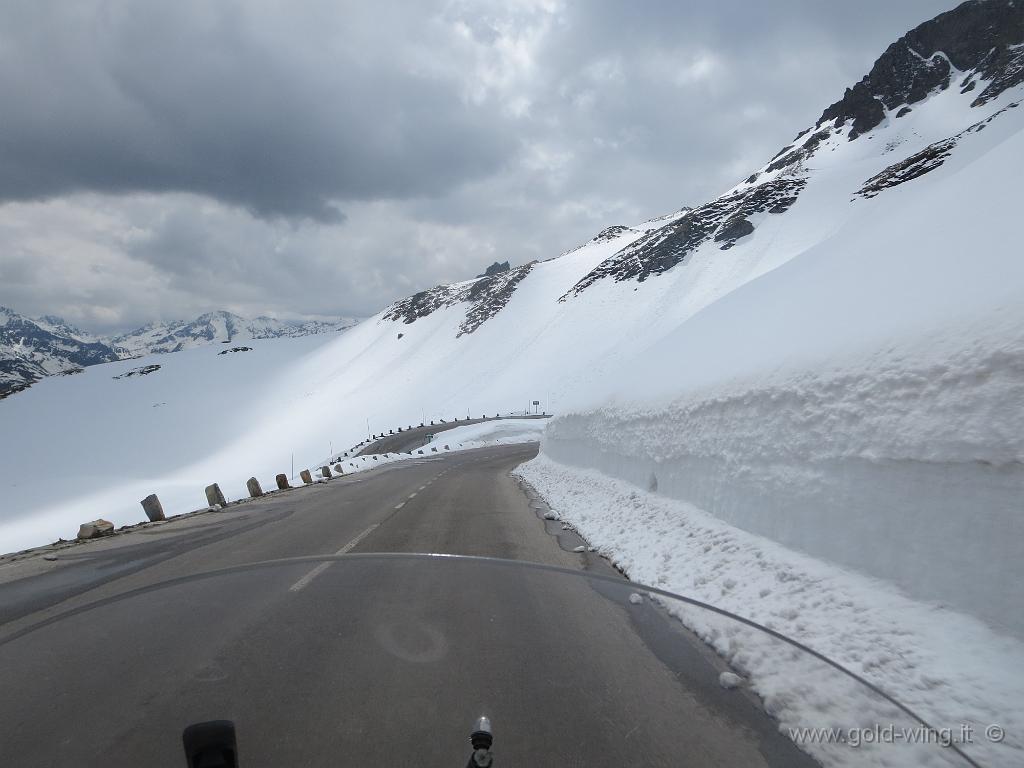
282, 482
214, 496
153, 508
254, 487
307, 478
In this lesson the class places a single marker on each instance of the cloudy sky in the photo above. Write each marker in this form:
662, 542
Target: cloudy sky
159, 160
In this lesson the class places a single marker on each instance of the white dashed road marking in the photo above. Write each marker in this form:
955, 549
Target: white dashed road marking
305, 580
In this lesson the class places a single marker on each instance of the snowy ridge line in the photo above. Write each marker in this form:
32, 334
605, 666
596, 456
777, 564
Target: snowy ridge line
909, 650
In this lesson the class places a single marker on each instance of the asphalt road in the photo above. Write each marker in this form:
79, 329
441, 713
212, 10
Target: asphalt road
360, 661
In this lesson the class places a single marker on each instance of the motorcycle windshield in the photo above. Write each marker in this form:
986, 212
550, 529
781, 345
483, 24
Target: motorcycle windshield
388, 660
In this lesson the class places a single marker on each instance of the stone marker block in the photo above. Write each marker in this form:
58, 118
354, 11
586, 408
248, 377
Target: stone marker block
214, 495
434, 449
282, 482
153, 508
338, 470
254, 487
95, 529
419, 452
447, 448
307, 478
325, 473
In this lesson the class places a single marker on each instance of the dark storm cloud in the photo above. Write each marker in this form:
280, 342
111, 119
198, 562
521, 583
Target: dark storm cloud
327, 157
279, 110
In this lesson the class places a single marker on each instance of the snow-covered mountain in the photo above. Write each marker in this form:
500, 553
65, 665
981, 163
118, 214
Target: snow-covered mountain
829, 355
216, 327
31, 348
890, 224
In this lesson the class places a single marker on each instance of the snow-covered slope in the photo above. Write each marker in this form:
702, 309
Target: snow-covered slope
216, 327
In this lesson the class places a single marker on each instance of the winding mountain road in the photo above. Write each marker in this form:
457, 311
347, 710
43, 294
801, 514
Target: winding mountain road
360, 661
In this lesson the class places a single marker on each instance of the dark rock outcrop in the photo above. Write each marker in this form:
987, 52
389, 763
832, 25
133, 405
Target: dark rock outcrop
733, 230
611, 233
496, 269
925, 161
980, 37
486, 297
142, 370
661, 249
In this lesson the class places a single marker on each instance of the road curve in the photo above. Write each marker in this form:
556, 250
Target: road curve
360, 662
414, 438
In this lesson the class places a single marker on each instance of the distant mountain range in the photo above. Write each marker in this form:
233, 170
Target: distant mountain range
214, 327
31, 348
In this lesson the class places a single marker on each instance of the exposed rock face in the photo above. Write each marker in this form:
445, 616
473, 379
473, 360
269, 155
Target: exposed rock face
733, 230
664, 248
486, 297
978, 36
496, 269
925, 161
610, 233
142, 370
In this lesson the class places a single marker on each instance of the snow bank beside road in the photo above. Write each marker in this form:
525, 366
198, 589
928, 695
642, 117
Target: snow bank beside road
863, 402
493, 433
947, 666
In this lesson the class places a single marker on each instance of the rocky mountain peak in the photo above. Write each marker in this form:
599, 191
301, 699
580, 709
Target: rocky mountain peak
979, 37
496, 269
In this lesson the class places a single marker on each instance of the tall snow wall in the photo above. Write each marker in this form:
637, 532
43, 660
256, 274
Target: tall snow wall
863, 403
